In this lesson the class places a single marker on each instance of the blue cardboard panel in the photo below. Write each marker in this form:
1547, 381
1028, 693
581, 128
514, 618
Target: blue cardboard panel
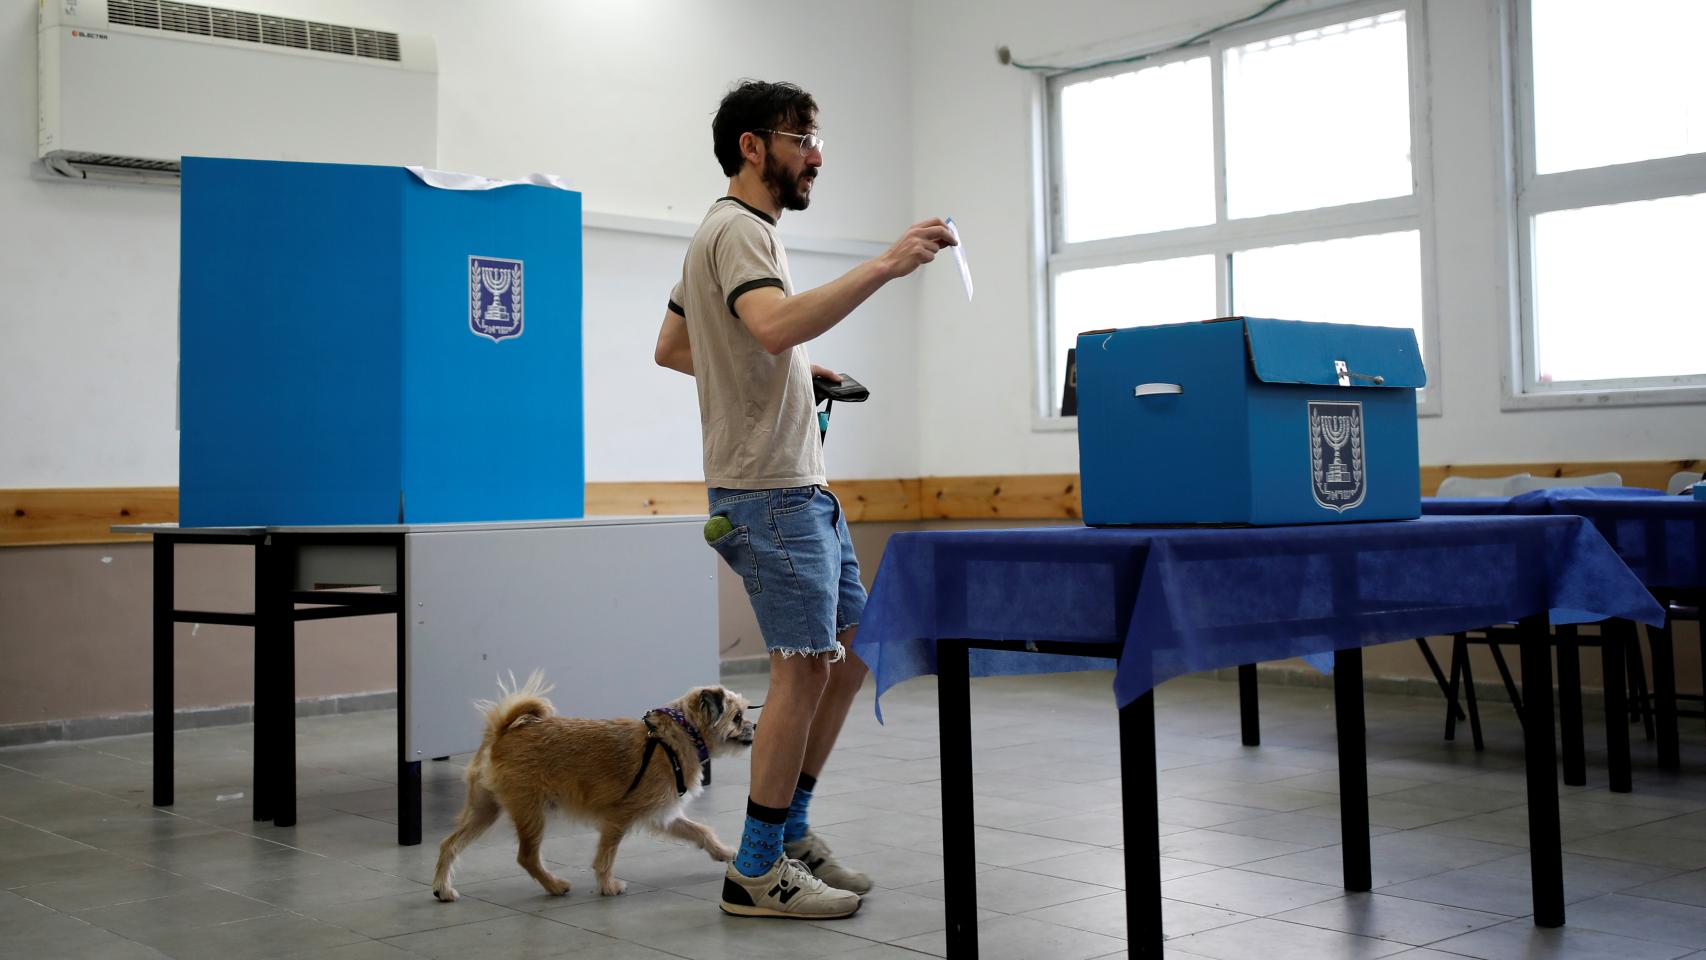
1368, 472
344, 360
1163, 458
493, 401
1291, 351
290, 313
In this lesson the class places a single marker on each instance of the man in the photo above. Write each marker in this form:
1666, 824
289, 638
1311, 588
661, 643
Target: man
737, 326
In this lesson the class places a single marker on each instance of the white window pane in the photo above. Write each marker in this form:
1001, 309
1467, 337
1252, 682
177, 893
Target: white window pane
1128, 295
1616, 83
1318, 118
1617, 290
1375, 280
1137, 152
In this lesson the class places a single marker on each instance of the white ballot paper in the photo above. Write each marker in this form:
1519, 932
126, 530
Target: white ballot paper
960, 256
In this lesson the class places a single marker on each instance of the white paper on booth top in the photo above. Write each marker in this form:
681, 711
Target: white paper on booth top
960, 256
451, 180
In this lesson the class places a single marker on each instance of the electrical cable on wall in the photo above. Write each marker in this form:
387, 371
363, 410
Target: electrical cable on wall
1005, 56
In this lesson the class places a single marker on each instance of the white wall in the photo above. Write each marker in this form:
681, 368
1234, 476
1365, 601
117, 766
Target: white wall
616, 96
973, 155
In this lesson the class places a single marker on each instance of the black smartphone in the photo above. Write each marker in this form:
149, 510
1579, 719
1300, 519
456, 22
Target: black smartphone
848, 390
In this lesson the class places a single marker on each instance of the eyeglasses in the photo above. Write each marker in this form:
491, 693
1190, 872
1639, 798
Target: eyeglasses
809, 142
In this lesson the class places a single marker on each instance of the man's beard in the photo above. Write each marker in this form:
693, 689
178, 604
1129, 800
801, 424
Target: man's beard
786, 187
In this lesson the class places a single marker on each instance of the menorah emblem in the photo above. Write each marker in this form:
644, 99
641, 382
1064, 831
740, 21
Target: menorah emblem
494, 297
1336, 454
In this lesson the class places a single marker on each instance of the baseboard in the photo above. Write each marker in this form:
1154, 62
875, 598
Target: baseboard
1424, 687
746, 666
127, 724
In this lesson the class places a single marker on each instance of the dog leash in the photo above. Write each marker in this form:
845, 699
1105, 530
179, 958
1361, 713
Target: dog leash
655, 740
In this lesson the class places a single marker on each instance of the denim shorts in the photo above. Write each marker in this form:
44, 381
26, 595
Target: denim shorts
791, 548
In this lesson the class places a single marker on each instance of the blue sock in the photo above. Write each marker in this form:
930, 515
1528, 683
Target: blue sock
761, 841
796, 826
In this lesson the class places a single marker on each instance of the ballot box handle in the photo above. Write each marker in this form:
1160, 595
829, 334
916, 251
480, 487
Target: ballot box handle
1157, 389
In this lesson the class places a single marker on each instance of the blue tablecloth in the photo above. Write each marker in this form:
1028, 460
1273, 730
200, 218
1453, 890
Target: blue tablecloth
1186, 600
1660, 537
1532, 502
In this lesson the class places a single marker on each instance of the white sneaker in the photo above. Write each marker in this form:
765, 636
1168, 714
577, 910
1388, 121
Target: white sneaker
815, 854
789, 890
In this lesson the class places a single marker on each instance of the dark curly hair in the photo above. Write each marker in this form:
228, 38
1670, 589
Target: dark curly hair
758, 105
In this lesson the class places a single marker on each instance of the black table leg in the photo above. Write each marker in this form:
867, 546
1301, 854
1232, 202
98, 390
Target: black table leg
1612, 635
1144, 935
1353, 768
959, 839
408, 769
279, 622
1249, 710
1545, 844
1664, 694
164, 663
1570, 704
265, 636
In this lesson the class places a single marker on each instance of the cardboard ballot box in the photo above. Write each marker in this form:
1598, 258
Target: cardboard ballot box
1245, 420
358, 347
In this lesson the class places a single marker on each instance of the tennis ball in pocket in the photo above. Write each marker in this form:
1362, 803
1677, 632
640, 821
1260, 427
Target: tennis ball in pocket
717, 528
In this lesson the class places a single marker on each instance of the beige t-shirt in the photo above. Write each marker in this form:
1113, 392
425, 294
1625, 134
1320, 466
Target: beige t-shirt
757, 411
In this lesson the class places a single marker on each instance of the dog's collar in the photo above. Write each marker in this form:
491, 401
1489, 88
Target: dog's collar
692, 733
654, 740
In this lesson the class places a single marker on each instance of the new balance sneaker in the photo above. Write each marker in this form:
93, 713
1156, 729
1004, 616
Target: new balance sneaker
789, 890
815, 854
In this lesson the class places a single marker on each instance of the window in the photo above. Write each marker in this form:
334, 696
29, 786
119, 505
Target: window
1275, 171
1610, 202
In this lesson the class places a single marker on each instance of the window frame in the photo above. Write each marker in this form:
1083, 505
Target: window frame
1529, 194
1225, 238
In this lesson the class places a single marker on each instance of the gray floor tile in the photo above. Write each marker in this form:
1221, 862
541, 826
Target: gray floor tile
1007, 890
1521, 938
1278, 940
1385, 917
1225, 849
1022, 938
261, 937
1642, 919
397, 915
517, 936
121, 885
1689, 888
1242, 891
151, 920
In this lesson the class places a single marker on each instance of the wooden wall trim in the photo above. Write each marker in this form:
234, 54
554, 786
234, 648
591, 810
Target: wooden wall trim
50, 517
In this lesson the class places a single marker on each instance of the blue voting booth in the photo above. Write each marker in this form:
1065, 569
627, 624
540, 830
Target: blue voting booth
1246, 420
358, 347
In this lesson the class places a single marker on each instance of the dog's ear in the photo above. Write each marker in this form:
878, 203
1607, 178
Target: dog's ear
712, 702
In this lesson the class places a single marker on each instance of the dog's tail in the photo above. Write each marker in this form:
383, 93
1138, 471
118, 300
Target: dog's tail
519, 703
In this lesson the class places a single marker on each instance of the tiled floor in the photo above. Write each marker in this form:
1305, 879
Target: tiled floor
1251, 866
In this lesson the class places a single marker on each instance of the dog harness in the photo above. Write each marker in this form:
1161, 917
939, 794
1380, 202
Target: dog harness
655, 740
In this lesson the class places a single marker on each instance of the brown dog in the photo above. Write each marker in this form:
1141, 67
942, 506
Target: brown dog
532, 760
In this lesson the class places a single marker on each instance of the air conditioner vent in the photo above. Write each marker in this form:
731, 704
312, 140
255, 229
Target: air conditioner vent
284, 32
331, 38
236, 25
177, 17
134, 13
185, 18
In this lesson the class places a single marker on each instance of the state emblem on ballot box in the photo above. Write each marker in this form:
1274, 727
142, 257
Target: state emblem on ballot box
1248, 420
1336, 454
494, 297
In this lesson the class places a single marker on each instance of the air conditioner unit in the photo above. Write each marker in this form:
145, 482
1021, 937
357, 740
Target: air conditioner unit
127, 87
